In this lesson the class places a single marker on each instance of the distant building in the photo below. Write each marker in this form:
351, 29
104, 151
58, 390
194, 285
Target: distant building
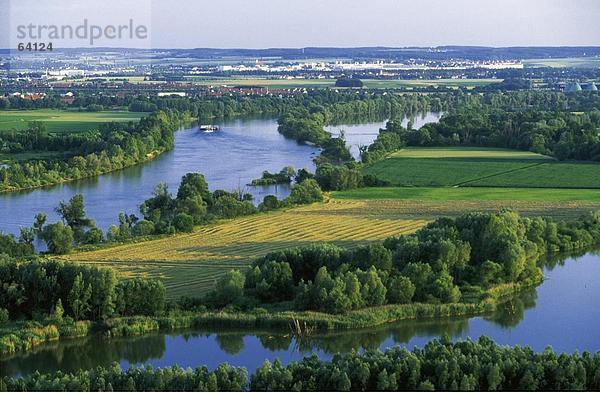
572, 87
589, 87
172, 93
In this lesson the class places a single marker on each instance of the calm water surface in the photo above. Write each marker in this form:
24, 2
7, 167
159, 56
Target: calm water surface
562, 313
229, 158
365, 133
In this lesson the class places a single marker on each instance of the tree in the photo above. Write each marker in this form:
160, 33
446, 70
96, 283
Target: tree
57, 312
193, 185
93, 236
400, 290
306, 192
143, 228
4, 316
444, 289
79, 297
26, 235
372, 289
139, 296
73, 215
58, 237
420, 275
230, 288
183, 222
494, 378
365, 257
272, 281
270, 202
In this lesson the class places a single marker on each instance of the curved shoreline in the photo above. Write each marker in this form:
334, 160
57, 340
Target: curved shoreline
27, 335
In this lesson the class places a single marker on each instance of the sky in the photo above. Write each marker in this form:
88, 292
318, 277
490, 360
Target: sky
302, 23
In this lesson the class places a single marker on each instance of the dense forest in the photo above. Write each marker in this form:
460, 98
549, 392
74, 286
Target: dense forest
440, 365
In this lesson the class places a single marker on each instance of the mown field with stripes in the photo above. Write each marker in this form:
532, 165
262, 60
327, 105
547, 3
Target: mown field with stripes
190, 264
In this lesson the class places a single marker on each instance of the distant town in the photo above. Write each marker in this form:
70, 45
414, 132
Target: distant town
31, 76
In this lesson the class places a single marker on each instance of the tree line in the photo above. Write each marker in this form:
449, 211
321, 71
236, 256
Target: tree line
114, 146
469, 365
448, 261
162, 213
565, 126
560, 125
47, 288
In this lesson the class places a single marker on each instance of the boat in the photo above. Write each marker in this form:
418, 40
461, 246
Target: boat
209, 128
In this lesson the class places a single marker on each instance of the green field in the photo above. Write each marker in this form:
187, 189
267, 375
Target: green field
58, 121
556, 174
481, 167
472, 194
34, 155
563, 62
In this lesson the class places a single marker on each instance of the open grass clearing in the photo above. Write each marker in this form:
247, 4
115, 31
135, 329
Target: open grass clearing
60, 121
481, 167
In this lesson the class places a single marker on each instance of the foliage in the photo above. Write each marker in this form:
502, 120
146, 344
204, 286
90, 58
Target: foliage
283, 177
114, 146
480, 365
348, 82
29, 289
304, 193
475, 251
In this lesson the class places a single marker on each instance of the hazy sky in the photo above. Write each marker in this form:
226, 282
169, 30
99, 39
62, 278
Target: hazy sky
298, 23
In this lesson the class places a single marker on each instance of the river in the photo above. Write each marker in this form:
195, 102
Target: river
562, 313
229, 159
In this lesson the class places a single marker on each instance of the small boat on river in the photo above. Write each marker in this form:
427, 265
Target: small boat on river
209, 128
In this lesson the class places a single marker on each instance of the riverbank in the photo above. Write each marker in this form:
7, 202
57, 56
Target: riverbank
27, 335
115, 149
149, 157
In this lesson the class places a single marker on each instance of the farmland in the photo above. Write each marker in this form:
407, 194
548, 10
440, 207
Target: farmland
439, 167
473, 194
564, 62
190, 264
58, 121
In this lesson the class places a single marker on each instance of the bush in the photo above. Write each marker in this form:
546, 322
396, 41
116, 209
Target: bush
3, 316
143, 228
184, 222
400, 290
306, 192
94, 236
230, 289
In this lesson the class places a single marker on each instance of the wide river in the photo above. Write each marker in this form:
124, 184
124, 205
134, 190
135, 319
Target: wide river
229, 159
563, 313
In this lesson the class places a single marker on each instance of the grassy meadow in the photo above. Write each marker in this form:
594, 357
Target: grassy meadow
190, 264
481, 167
59, 121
